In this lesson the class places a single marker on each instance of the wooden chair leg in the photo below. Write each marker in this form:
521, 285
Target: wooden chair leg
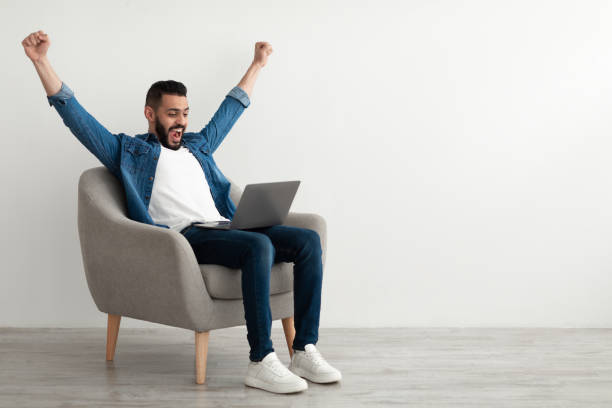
112, 330
289, 329
201, 348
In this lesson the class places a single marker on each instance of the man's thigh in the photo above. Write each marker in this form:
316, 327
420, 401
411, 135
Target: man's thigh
289, 241
223, 247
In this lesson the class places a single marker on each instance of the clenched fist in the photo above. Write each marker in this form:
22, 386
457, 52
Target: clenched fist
262, 51
36, 45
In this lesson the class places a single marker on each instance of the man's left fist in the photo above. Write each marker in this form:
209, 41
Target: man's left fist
262, 51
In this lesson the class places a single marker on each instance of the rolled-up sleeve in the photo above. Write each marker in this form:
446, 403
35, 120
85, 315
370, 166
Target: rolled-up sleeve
239, 94
61, 96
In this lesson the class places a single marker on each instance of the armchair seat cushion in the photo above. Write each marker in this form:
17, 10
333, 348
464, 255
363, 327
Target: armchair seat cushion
226, 283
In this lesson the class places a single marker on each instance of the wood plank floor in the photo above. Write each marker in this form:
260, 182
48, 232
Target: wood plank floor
406, 367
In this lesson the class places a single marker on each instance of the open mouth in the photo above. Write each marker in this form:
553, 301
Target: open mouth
175, 135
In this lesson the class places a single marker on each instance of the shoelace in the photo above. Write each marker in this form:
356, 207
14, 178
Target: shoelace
315, 357
277, 367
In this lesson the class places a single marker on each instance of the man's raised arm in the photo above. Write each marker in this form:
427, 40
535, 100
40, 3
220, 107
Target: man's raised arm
99, 141
236, 100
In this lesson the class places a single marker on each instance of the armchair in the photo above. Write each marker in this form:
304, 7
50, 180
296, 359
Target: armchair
151, 273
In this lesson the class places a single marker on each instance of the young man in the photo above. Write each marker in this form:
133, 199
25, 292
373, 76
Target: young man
171, 180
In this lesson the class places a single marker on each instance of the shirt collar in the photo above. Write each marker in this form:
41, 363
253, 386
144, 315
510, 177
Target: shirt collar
146, 136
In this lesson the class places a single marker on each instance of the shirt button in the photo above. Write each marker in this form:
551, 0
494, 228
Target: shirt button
147, 197
150, 178
155, 157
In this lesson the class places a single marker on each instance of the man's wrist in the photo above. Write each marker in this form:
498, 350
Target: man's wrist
256, 65
41, 61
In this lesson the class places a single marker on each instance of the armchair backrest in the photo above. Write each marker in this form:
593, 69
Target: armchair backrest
108, 196
106, 193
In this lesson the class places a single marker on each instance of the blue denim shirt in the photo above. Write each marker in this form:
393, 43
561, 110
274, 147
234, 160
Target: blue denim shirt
133, 159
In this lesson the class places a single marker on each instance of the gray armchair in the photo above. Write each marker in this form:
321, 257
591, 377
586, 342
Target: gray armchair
151, 273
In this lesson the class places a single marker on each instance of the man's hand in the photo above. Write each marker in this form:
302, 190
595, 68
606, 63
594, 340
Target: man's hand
36, 45
262, 51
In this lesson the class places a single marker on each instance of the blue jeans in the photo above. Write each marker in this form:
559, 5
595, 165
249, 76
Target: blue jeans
254, 251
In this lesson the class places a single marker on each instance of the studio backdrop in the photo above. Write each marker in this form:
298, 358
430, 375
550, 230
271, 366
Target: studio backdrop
459, 151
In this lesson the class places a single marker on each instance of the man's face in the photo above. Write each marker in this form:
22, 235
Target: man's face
171, 120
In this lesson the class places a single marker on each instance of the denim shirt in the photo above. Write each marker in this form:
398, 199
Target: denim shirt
133, 159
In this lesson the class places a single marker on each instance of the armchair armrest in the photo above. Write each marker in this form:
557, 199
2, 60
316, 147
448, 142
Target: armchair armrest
311, 221
139, 270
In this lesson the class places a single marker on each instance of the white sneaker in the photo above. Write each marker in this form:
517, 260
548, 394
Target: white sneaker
271, 375
311, 365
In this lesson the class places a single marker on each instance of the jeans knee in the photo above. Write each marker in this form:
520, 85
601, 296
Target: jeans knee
261, 247
312, 242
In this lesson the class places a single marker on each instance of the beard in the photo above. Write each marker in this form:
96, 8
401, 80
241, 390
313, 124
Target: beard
164, 136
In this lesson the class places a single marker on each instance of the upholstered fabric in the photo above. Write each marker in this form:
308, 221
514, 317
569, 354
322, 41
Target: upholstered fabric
224, 283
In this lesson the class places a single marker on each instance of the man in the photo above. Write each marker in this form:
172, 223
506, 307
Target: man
171, 181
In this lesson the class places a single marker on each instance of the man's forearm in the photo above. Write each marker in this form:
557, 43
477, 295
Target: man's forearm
48, 77
248, 80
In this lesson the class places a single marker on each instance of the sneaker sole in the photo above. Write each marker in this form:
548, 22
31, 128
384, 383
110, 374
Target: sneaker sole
275, 388
323, 379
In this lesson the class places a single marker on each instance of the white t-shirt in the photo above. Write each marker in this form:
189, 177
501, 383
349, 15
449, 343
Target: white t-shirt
180, 193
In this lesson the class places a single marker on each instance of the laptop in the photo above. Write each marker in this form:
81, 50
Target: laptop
261, 205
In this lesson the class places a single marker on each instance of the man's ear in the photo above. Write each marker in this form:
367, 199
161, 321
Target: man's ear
149, 113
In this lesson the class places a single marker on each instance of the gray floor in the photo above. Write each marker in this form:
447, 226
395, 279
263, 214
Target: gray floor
381, 367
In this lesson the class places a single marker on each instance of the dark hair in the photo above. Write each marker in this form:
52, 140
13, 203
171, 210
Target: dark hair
154, 96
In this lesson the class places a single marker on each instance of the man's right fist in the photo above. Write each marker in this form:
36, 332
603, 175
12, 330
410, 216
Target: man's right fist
36, 45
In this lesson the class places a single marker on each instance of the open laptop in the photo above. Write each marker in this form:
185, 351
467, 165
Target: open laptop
261, 205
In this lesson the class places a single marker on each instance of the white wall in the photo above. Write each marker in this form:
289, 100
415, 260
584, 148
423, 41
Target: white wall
460, 151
